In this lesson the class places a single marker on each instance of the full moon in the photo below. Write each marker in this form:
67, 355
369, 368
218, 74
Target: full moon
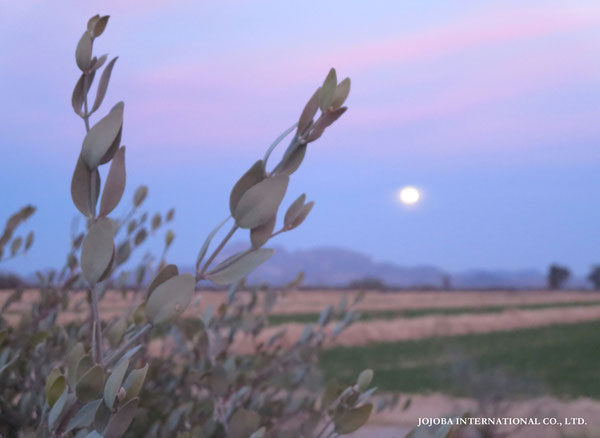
409, 195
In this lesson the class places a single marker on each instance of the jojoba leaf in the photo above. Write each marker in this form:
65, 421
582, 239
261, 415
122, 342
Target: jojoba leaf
113, 383
239, 266
101, 136
328, 90
115, 183
253, 176
261, 202
97, 250
83, 52
170, 298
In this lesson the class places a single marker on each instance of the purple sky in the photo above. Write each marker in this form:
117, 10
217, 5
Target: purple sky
491, 108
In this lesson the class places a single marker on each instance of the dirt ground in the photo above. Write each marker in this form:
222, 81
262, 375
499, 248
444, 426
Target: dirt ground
365, 332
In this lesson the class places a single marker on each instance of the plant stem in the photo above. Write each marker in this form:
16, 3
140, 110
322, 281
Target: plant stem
86, 116
276, 142
218, 249
96, 327
117, 354
324, 428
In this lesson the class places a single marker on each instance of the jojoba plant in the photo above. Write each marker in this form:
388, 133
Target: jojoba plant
171, 366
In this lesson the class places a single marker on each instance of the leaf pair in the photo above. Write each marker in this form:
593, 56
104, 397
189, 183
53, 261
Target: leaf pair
329, 98
297, 212
169, 294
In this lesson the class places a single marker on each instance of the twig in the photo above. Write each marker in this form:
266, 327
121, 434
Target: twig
117, 354
218, 250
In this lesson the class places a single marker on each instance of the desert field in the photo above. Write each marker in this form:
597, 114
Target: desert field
448, 352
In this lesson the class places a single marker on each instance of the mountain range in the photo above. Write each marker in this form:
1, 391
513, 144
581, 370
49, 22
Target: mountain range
337, 267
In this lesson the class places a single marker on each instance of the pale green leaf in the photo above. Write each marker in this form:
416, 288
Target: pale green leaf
120, 421
99, 140
341, 94
91, 384
261, 202
133, 383
113, 383
83, 52
170, 298
253, 176
97, 250
115, 183
261, 234
239, 266
328, 90
352, 419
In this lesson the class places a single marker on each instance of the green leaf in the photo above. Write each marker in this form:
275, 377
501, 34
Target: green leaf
169, 237
29, 240
57, 409
170, 298
73, 358
115, 183
325, 315
140, 195
253, 176
91, 384
352, 419
300, 216
113, 383
239, 266
123, 252
341, 94
289, 164
78, 95
100, 138
97, 250
260, 433
55, 385
243, 423
15, 245
260, 203
206, 243
330, 394
81, 188
83, 366
364, 379
156, 221
103, 84
83, 52
116, 331
164, 274
133, 383
97, 63
140, 236
327, 120
119, 422
328, 90
92, 22
294, 210
308, 113
100, 25
261, 234
84, 417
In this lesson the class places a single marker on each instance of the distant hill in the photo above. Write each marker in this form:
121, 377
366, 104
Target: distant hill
331, 267
338, 267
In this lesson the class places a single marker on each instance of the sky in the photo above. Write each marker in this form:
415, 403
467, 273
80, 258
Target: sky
491, 109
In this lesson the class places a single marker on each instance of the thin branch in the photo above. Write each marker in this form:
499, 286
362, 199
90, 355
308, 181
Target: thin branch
86, 116
96, 328
278, 140
218, 250
123, 349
